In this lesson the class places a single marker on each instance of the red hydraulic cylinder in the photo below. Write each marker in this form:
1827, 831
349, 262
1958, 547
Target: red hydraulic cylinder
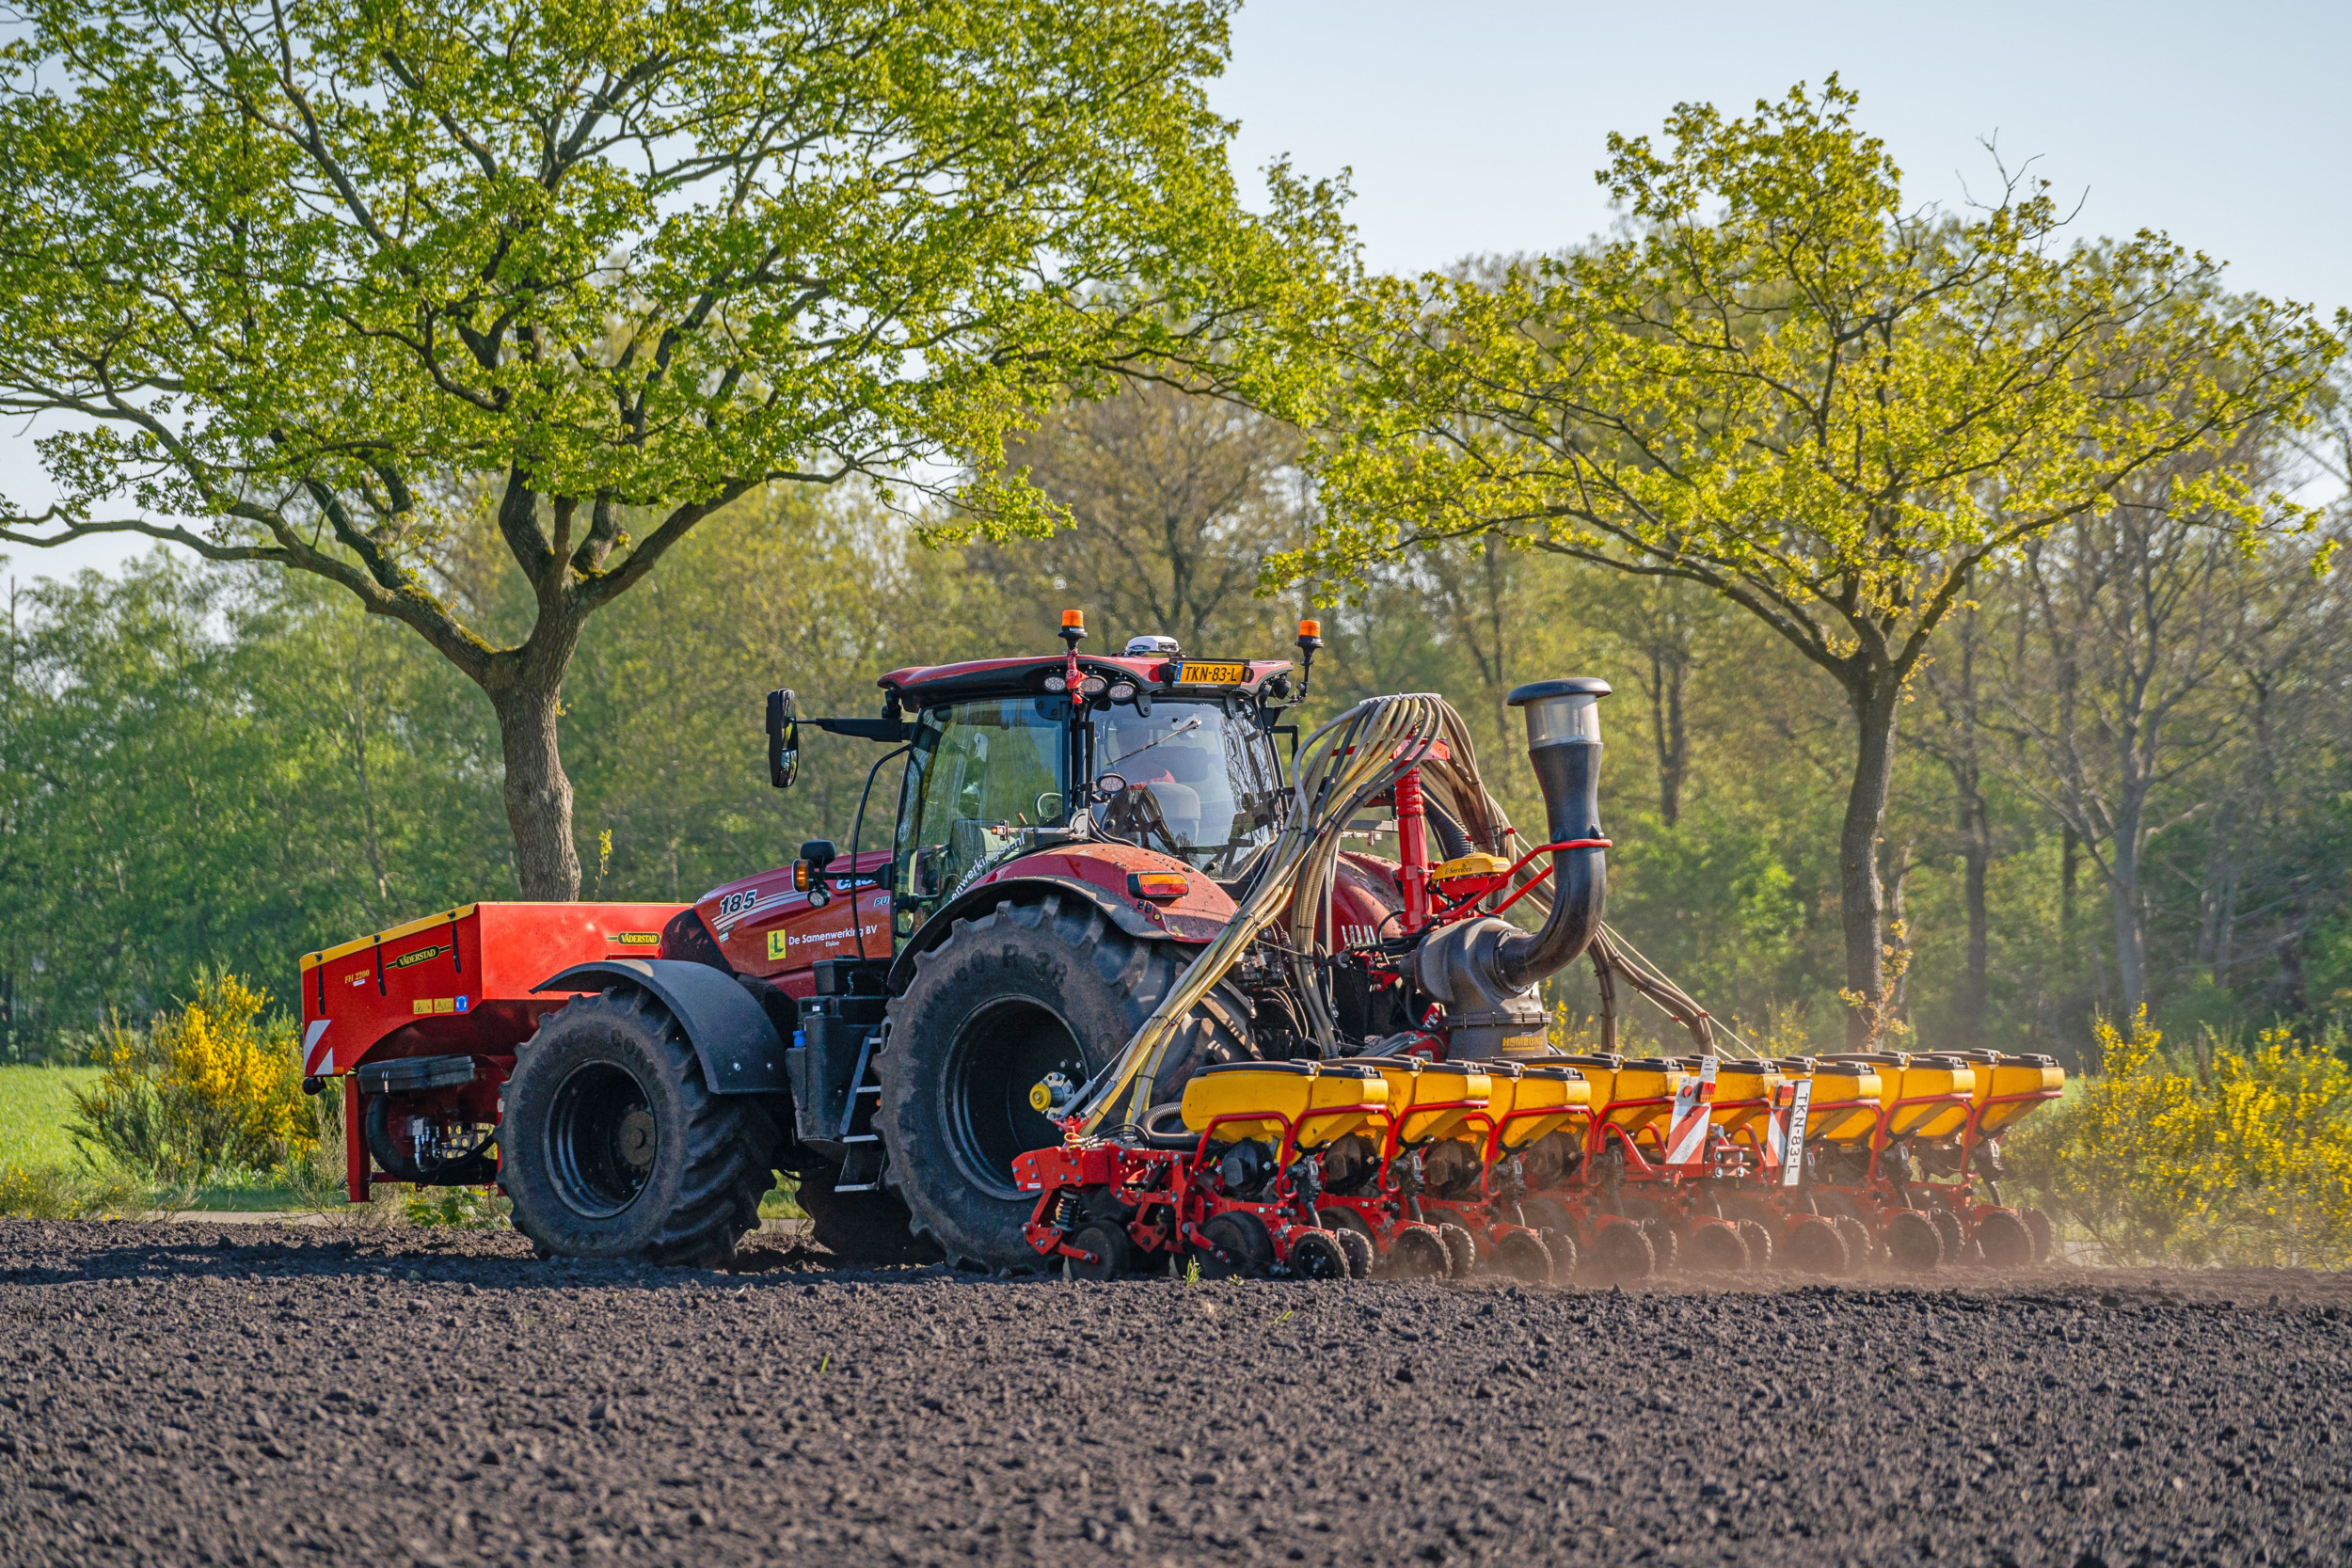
1412, 848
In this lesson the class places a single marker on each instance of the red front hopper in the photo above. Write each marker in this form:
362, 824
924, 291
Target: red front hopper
456, 982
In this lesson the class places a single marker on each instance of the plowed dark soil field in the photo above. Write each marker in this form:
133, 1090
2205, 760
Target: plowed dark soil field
178, 1395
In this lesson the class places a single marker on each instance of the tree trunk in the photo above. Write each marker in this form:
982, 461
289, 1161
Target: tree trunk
1668, 675
2070, 856
1873, 695
538, 792
1976, 851
2131, 960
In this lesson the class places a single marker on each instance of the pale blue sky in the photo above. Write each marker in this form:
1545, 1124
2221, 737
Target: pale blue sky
1475, 127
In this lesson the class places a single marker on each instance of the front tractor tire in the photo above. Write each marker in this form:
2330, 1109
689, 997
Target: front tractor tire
613, 1146
1011, 997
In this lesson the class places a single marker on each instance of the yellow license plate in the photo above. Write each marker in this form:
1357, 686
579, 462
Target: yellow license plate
1214, 674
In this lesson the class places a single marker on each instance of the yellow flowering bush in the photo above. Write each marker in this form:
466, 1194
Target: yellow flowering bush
211, 1086
2237, 1157
55, 1193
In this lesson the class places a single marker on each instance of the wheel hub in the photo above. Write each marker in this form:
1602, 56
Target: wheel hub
636, 1140
602, 1139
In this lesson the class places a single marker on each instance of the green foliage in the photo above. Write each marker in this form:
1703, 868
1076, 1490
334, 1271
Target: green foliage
52, 1192
211, 768
651, 252
1791, 386
455, 1208
2244, 1156
209, 1088
351, 289
1784, 384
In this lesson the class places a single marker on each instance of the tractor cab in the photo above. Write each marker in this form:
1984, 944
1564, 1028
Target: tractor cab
1005, 758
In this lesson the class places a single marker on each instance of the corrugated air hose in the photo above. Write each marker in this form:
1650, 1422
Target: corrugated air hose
1343, 764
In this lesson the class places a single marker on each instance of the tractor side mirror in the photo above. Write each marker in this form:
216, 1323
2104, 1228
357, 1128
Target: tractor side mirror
783, 740
817, 854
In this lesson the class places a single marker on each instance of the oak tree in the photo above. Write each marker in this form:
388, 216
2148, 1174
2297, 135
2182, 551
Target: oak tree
290, 281
1829, 407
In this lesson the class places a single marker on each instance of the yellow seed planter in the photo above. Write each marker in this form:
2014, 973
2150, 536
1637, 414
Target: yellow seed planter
1737, 1081
1530, 1100
1908, 1077
1431, 1101
1324, 1101
2038, 1076
1618, 1080
1845, 1108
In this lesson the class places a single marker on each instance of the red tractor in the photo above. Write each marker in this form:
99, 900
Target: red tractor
979, 973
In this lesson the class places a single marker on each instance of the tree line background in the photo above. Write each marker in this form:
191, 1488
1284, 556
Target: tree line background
2125, 771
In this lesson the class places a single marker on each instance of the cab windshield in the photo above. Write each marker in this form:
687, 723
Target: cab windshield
1189, 779
977, 774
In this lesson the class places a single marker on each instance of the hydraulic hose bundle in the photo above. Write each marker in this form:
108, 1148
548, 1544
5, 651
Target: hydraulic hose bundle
1482, 970
1342, 764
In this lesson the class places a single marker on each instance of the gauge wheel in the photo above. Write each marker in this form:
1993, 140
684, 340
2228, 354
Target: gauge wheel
1954, 1240
1113, 1254
1914, 1242
1317, 1255
1418, 1253
1522, 1255
1815, 1247
2045, 1234
2005, 1241
1717, 1249
1461, 1253
1664, 1246
1861, 1246
1622, 1252
1758, 1238
1238, 1247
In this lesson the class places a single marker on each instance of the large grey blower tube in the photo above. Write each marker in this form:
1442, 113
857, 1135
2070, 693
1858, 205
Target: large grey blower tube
1484, 969
1564, 748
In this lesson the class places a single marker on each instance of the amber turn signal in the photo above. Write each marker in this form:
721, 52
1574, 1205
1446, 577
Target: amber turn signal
800, 877
1158, 884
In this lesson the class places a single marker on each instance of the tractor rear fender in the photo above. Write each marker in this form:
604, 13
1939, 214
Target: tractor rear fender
729, 1029
987, 896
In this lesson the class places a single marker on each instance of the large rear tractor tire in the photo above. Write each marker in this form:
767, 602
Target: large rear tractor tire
860, 1227
613, 1146
1009, 1000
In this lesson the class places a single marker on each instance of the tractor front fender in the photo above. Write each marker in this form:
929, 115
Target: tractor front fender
987, 896
729, 1029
